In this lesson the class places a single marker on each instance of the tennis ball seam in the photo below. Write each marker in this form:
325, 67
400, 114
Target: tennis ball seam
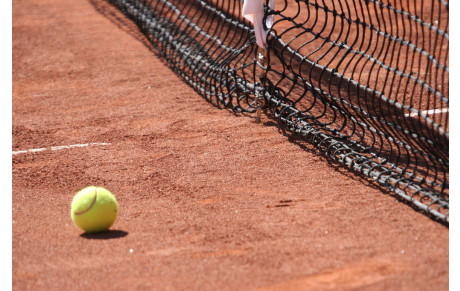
91, 206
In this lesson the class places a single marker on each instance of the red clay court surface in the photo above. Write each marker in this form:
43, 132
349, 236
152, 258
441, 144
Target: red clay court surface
209, 200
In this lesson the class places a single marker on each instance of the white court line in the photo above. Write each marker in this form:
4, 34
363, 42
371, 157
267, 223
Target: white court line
56, 148
427, 112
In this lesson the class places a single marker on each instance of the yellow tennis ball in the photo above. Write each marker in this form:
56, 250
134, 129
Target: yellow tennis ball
94, 209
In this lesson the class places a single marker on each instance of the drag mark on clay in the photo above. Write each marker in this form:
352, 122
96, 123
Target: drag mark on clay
354, 276
57, 148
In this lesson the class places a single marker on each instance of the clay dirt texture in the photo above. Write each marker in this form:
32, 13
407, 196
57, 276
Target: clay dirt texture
208, 199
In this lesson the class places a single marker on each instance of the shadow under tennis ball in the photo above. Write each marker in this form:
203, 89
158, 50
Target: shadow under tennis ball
109, 234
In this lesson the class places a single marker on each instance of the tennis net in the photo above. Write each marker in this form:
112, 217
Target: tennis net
365, 81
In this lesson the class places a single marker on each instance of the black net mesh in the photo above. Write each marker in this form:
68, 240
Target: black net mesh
365, 81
